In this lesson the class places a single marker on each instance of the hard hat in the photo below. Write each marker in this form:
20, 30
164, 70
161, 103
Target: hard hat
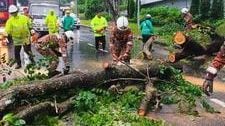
184, 10
67, 11
13, 9
148, 16
69, 35
122, 23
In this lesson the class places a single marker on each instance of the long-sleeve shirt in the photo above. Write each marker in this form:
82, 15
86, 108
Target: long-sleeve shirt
68, 23
98, 24
219, 61
146, 27
52, 39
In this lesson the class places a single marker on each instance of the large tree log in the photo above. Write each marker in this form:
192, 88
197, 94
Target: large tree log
10, 98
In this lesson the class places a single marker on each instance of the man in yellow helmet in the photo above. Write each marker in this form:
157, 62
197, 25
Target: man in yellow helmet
52, 22
18, 27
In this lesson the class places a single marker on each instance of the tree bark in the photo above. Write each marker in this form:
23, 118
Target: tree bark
47, 107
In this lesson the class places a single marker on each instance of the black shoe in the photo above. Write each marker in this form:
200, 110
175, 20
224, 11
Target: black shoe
66, 70
18, 66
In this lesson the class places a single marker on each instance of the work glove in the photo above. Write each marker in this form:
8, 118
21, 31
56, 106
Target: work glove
208, 87
208, 83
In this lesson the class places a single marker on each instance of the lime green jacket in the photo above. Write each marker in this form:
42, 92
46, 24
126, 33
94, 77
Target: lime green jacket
51, 22
19, 28
98, 24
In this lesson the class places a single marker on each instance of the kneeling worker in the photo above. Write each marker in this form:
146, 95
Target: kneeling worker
54, 45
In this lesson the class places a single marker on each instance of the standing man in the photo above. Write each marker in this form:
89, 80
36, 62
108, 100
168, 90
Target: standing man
52, 22
188, 18
99, 24
146, 29
121, 41
211, 72
18, 26
68, 22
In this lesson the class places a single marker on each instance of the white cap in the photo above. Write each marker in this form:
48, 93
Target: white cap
122, 23
70, 35
148, 16
184, 10
13, 9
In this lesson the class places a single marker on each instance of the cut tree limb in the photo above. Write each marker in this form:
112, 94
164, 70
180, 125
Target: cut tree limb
45, 108
148, 48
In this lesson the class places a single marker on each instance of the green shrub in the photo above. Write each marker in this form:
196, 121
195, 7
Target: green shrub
163, 15
169, 29
85, 101
202, 38
166, 32
115, 110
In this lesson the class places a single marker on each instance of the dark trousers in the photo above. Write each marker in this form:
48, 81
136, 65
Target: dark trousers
27, 49
100, 39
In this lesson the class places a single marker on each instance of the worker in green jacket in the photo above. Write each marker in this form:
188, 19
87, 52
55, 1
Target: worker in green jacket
52, 22
99, 24
18, 27
146, 29
68, 22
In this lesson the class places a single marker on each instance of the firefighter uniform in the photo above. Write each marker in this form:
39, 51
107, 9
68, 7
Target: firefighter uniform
121, 41
55, 46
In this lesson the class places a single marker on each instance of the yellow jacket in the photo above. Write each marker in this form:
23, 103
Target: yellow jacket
19, 28
51, 22
98, 24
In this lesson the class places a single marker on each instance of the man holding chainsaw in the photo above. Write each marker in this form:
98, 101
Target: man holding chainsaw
55, 46
99, 24
121, 41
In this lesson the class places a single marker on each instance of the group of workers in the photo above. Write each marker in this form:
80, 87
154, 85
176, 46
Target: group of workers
121, 39
121, 36
19, 28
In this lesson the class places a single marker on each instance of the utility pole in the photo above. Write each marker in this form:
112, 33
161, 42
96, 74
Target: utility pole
138, 13
77, 8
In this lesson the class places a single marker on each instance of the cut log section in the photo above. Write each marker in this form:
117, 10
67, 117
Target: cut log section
179, 38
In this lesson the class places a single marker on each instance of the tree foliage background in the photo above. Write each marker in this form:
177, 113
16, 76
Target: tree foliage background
217, 10
131, 8
205, 9
92, 7
195, 4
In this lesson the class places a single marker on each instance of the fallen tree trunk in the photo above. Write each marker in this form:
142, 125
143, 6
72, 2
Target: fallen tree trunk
10, 98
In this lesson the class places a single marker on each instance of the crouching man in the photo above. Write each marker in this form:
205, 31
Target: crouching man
211, 72
121, 41
55, 46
